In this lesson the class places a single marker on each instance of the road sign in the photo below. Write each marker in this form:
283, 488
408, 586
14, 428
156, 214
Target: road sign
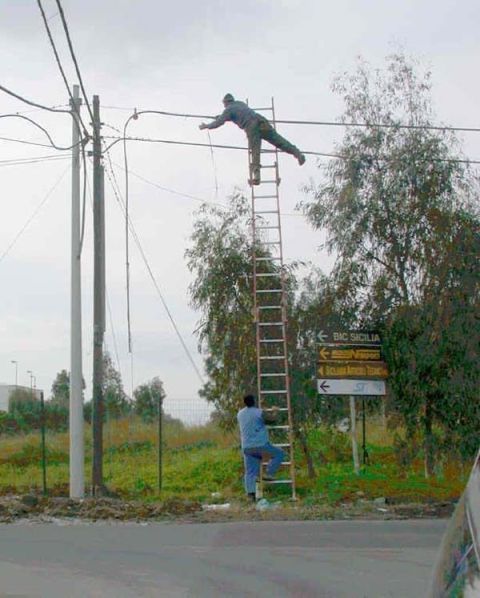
353, 353
351, 387
352, 369
349, 337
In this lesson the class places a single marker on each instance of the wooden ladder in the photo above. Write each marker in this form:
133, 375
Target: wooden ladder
270, 307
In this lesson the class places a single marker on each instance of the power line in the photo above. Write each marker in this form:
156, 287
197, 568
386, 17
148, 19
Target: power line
31, 102
152, 276
319, 122
22, 161
33, 215
60, 67
44, 131
198, 144
236, 147
24, 141
74, 58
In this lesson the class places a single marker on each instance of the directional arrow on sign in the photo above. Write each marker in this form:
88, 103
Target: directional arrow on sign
324, 354
321, 336
324, 386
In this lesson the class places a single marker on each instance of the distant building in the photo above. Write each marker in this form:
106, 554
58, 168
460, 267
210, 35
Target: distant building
7, 389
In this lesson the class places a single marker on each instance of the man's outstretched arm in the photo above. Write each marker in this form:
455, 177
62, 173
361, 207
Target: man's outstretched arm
218, 122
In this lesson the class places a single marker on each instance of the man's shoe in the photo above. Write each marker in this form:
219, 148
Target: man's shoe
301, 159
267, 478
254, 181
252, 497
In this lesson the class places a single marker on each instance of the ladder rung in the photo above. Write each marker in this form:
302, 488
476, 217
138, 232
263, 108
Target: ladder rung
269, 291
278, 427
271, 375
269, 181
278, 409
270, 242
265, 196
269, 108
268, 166
278, 482
282, 463
266, 211
281, 444
266, 274
267, 259
270, 323
266, 357
270, 307
267, 227
273, 392
272, 340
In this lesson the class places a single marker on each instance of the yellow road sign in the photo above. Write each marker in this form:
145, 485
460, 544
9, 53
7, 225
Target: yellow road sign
349, 354
353, 370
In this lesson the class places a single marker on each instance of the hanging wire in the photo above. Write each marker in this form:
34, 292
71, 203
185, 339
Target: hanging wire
268, 151
34, 214
136, 238
213, 165
44, 131
321, 123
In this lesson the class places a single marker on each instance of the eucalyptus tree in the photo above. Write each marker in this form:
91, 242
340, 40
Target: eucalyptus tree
393, 205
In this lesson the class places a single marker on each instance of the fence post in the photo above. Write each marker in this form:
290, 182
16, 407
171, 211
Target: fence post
44, 451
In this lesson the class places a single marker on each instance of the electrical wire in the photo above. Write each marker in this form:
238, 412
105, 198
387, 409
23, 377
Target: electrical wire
154, 280
31, 102
168, 190
321, 123
237, 147
24, 141
22, 161
213, 166
74, 107
44, 131
33, 215
60, 67
74, 58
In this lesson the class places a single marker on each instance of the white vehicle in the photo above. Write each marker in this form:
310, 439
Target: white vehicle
457, 570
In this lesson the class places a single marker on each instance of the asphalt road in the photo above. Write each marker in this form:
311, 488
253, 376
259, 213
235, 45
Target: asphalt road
268, 559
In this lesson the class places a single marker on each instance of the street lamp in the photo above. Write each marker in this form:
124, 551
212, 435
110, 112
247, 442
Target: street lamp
16, 372
31, 381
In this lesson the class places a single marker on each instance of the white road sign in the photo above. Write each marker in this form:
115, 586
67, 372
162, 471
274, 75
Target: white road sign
351, 387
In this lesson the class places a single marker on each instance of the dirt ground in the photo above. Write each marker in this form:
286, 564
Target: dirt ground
36, 508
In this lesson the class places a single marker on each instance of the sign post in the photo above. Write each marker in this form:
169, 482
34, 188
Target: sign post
350, 363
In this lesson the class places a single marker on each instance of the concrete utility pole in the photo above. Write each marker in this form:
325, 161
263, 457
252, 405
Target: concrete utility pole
98, 301
77, 450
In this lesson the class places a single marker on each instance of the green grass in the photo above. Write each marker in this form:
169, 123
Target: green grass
199, 461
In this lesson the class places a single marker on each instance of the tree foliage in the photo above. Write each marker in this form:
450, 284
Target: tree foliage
116, 401
220, 259
398, 208
148, 398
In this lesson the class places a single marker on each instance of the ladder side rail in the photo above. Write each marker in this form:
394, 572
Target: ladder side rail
285, 321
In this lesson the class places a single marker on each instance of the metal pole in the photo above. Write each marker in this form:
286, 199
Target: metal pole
31, 382
160, 442
364, 436
353, 431
98, 303
77, 450
16, 372
44, 448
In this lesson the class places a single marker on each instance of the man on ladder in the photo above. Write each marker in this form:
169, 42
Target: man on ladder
257, 128
256, 445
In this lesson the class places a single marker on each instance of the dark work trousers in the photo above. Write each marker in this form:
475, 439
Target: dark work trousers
260, 129
253, 463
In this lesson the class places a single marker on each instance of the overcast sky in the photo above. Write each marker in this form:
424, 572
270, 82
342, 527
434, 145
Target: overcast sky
182, 56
